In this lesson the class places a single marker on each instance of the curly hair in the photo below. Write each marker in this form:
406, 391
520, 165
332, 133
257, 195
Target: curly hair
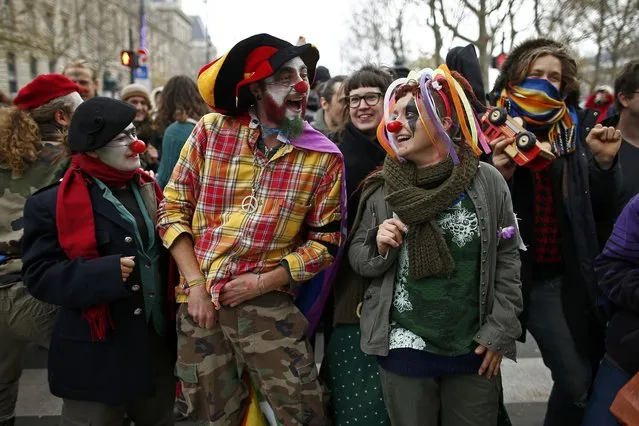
180, 101
19, 139
21, 131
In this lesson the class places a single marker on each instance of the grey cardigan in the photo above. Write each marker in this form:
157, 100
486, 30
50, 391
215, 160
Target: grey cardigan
500, 286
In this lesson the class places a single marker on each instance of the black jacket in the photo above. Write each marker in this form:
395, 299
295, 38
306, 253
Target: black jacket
118, 369
590, 199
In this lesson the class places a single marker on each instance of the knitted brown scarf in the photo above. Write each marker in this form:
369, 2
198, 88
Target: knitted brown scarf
417, 196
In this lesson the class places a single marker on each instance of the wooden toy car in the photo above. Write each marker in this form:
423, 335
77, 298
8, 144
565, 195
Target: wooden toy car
525, 150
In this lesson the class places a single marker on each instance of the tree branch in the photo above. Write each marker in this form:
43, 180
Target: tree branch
452, 28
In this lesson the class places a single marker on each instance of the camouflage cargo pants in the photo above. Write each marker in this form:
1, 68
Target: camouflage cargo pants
23, 319
266, 337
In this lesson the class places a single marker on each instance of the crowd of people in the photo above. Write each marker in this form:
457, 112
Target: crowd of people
178, 251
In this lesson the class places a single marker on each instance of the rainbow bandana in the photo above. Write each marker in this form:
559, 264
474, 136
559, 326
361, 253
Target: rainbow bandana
542, 107
430, 81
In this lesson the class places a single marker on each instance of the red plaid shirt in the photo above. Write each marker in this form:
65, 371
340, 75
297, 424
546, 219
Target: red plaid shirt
298, 214
547, 234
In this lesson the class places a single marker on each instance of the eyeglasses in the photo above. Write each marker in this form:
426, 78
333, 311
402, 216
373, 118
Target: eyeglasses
371, 99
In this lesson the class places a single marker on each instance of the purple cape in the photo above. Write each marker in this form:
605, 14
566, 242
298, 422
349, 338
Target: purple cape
312, 295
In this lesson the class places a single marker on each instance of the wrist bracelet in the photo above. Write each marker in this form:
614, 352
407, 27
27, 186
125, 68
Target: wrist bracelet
194, 283
260, 284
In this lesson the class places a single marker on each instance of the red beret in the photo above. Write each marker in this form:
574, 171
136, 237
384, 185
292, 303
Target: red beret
42, 89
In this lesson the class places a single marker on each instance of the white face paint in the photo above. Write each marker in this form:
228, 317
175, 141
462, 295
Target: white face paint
117, 153
282, 100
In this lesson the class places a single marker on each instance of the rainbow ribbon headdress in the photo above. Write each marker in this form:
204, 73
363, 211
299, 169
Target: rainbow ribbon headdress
433, 79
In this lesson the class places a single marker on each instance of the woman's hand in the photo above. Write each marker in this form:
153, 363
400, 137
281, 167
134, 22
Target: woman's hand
127, 264
502, 162
389, 234
492, 362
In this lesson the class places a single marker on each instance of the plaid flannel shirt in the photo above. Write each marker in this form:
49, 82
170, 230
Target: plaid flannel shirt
298, 214
547, 233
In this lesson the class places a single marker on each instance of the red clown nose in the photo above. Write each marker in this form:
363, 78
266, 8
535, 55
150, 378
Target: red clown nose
137, 146
301, 87
394, 126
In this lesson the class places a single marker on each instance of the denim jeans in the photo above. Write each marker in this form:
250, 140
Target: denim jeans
571, 371
607, 383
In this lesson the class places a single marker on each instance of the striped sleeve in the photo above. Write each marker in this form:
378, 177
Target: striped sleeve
323, 223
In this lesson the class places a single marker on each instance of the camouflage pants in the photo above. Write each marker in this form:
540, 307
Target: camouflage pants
266, 337
23, 319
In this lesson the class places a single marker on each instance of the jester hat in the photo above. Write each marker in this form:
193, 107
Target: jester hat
224, 83
430, 84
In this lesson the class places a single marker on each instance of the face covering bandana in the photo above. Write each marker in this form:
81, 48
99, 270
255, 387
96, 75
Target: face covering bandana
543, 109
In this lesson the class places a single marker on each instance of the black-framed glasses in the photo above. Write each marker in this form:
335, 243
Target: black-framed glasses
371, 99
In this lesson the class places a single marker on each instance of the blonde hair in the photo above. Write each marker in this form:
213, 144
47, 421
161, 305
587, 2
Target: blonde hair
82, 63
21, 131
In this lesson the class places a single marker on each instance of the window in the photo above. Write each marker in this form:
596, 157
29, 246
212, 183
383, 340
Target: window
5, 12
13, 75
33, 66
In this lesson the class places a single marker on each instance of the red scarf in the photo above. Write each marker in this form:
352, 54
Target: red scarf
76, 224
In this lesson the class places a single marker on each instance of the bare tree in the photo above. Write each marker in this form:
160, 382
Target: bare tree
622, 32
563, 20
51, 27
488, 18
433, 23
610, 26
377, 32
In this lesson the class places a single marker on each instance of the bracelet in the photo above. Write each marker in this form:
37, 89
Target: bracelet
194, 283
260, 284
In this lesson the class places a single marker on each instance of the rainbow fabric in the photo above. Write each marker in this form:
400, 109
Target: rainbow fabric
542, 108
426, 108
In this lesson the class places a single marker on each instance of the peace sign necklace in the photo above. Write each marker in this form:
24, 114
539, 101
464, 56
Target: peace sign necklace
250, 203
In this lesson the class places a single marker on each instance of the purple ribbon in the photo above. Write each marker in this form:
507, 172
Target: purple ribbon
426, 98
506, 233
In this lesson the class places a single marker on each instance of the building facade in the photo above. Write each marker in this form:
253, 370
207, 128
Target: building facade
40, 36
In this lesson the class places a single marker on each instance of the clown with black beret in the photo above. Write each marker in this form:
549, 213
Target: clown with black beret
253, 216
90, 246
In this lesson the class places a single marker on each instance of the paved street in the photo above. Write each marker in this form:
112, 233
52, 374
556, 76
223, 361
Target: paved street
526, 387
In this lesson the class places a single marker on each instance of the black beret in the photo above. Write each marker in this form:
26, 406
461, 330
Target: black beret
97, 122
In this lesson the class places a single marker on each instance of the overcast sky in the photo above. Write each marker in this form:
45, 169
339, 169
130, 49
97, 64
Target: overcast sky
322, 22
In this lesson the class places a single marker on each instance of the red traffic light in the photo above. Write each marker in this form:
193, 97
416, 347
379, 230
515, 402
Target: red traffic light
129, 59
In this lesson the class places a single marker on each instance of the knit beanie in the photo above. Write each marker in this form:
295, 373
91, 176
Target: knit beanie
135, 90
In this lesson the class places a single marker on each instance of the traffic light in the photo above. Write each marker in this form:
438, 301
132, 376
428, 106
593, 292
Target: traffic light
129, 59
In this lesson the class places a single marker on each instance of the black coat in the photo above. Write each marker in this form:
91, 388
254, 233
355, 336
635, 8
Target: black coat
590, 200
118, 369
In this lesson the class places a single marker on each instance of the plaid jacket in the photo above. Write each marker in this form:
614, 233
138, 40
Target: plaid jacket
298, 215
